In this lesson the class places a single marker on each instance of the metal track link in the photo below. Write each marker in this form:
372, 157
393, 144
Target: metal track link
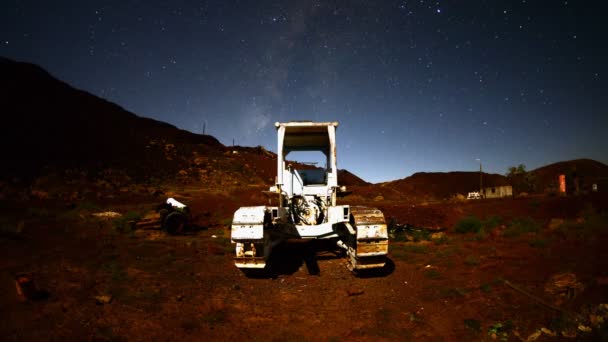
369, 247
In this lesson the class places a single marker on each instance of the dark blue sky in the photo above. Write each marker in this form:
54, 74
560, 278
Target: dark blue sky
416, 85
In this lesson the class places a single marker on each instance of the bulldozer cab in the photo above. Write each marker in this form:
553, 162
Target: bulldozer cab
307, 136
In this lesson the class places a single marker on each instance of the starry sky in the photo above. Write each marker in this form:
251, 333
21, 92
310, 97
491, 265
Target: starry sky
415, 85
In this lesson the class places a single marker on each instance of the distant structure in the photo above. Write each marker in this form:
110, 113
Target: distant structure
497, 191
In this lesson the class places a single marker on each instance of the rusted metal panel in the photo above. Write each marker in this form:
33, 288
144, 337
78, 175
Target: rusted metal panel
372, 248
248, 223
371, 232
365, 215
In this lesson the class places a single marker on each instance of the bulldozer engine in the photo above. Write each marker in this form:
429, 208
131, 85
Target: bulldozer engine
307, 207
306, 210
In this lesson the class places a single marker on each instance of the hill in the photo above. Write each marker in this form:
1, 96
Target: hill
581, 173
53, 128
441, 185
51, 124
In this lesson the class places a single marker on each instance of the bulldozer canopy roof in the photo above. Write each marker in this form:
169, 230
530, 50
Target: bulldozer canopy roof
306, 136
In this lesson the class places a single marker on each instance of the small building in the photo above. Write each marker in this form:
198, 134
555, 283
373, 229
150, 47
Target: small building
497, 191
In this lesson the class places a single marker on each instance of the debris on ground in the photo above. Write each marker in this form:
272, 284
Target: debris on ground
103, 299
27, 289
563, 286
354, 292
535, 335
555, 223
150, 220
107, 214
407, 232
438, 236
174, 216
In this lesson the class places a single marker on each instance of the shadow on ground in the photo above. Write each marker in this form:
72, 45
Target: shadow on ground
288, 258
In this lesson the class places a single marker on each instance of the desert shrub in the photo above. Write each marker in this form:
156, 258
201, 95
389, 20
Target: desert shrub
500, 330
469, 224
520, 226
398, 236
491, 222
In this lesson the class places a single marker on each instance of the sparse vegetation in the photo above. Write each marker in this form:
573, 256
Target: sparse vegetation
491, 222
587, 226
500, 330
521, 225
469, 224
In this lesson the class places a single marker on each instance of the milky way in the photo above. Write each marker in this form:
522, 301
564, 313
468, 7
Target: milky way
416, 85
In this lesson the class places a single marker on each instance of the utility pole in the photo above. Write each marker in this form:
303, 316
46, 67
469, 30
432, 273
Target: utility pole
480, 178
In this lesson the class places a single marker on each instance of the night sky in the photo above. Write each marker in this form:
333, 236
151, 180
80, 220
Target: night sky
415, 85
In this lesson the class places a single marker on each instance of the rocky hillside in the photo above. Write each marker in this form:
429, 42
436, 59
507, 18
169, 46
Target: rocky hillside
49, 124
55, 133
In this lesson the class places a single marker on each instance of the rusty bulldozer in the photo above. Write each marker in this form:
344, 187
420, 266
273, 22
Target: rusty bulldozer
307, 207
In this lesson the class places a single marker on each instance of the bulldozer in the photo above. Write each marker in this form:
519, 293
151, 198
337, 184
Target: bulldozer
307, 208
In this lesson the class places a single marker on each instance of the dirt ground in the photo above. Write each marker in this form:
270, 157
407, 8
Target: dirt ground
481, 285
